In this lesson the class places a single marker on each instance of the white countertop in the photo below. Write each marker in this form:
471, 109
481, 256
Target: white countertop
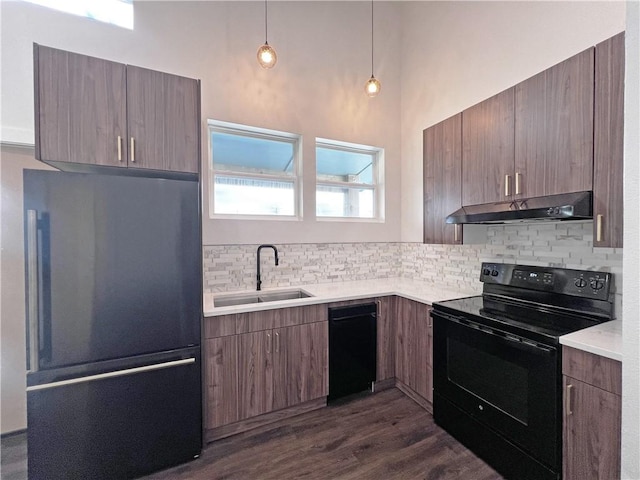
420, 291
604, 339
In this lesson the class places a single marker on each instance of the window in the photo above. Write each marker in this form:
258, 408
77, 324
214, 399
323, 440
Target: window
348, 180
116, 12
254, 171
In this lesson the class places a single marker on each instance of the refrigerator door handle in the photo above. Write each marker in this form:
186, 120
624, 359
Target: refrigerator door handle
115, 373
32, 286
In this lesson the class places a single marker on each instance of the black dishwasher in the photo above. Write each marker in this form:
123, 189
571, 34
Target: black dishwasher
352, 349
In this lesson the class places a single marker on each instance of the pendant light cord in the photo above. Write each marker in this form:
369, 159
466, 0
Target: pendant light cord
372, 38
265, 22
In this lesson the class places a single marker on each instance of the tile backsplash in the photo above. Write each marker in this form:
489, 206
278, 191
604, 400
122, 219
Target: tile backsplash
233, 267
567, 245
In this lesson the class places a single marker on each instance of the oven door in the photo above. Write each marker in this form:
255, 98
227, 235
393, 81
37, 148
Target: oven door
508, 385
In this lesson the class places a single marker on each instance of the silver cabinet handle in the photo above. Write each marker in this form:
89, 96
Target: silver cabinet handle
116, 373
599, 218
568, 399
119, 148
277, 342
518, 176
132, 154
507, 178
268, 343
32, 285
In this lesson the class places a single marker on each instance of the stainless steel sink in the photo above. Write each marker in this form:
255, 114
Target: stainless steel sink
259, 297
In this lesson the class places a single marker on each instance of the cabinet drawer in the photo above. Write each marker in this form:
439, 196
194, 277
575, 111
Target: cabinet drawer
221, 326
281, 317
595, 370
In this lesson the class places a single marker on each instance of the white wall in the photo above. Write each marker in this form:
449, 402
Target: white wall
13, 413
316, 89
455, 54
631, 268
459, 53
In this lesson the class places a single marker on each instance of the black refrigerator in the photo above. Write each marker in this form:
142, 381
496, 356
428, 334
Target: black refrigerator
114, 307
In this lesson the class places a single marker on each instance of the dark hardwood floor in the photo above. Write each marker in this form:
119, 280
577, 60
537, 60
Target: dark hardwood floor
382, 436
13, 457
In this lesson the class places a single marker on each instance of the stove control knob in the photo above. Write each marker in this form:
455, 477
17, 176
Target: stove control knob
597, 284
580, 283
494, 273
486, 271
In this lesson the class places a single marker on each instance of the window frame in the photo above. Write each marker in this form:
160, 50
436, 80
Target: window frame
263, 133
90, 11
377, 185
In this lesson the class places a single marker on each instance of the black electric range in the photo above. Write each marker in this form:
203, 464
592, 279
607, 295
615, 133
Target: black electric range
498, 362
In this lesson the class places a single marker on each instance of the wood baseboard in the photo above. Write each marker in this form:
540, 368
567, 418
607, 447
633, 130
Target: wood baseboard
385, 384
409, 392
262, 420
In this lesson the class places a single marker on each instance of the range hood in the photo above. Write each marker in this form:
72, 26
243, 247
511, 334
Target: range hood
568, 206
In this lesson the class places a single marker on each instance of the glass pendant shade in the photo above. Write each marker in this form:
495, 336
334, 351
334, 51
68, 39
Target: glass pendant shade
267, 57
372, 86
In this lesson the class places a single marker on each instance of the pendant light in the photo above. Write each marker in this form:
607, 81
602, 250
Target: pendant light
267, 57
372, 87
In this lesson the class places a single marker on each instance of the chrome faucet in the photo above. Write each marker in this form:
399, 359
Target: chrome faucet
275, 250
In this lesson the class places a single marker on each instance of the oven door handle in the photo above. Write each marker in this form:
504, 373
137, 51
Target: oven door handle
516, 341
527, 345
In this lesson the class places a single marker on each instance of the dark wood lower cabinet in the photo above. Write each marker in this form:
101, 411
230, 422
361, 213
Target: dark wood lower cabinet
386, 345
282, 367
592, 416
251, 372
301, 360
221, 383
413, 347
255, 373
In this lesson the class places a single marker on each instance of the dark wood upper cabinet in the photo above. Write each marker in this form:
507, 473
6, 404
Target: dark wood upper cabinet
488, 150
162, 113
80, 108
442, 167
609, 143
554, 129
96, 112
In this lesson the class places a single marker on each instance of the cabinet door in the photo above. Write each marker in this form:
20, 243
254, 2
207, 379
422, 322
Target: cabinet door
608, 138
421, 376
80, 108
255, 374
592, 428
405, 334
442, 167
554, 129
163, 121
530, 137
488, 150
386, 342
301, 364
221, 369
